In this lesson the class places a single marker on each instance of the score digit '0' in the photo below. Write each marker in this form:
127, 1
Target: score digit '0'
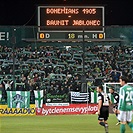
41, 35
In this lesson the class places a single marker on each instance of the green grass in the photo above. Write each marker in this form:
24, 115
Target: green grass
57, 124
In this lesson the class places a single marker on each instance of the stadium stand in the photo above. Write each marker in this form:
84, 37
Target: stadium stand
53, 68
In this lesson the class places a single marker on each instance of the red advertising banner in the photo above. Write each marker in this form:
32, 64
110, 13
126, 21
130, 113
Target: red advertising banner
66, 110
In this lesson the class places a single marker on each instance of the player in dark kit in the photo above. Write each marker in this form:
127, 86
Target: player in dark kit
103, 108
115, 107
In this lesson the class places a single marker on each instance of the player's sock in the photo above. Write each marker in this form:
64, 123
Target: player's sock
130, 124
102, 123
122, 128
106, 128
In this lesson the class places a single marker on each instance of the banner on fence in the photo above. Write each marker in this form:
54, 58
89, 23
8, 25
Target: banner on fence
38, 98
92, 97
57, 98
57, 104
80, 97
18, 99
66, 110
0, 95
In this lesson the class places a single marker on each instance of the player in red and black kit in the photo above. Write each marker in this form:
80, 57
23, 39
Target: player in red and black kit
115, 107
103, 108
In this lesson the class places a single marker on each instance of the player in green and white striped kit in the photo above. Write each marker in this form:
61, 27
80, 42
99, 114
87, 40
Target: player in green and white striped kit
125, 104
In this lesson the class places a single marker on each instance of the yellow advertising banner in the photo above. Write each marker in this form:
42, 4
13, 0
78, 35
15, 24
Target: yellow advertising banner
5, 111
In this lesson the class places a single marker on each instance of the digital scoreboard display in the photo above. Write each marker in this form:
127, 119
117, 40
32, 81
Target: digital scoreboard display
61, 36
71, 18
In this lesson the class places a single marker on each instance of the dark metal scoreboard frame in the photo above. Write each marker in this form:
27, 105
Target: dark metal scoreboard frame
70, 22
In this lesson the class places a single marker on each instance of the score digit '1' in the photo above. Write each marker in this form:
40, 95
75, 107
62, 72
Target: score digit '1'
71, 36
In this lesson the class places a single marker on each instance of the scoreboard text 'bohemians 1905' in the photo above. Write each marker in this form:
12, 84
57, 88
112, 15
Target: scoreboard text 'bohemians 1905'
60, 18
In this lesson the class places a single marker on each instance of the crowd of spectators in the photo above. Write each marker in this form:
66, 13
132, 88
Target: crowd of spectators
60, 70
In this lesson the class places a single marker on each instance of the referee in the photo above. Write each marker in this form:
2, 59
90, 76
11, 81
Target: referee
115, 107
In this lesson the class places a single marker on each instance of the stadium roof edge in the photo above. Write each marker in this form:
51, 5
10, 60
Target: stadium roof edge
73, 40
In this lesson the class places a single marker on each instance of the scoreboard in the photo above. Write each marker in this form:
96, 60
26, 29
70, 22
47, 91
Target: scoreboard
69, 35
69, 22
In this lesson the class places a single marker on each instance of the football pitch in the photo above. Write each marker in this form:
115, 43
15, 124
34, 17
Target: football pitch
57, 124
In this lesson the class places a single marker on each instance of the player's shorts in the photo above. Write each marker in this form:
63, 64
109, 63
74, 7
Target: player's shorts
125, 116
104, 113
